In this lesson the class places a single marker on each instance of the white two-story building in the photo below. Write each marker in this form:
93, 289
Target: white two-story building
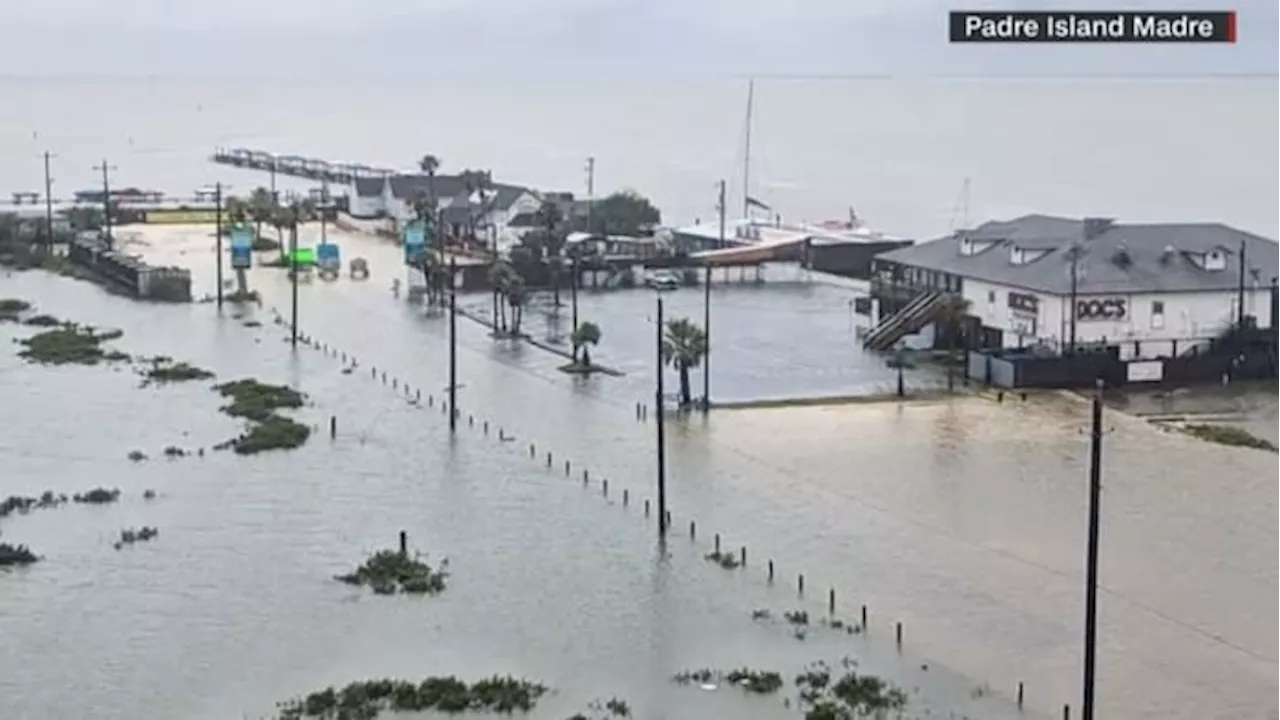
1149, 290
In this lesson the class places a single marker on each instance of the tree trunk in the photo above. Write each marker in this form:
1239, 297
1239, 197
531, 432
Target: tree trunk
586, 357
555, 287
502, 317
686, 395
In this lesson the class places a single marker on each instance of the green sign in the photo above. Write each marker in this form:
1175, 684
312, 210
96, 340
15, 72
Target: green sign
302, 256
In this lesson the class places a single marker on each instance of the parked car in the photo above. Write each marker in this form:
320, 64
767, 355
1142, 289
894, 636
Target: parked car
661, 280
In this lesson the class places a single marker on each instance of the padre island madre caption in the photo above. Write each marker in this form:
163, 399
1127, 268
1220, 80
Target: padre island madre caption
995, 26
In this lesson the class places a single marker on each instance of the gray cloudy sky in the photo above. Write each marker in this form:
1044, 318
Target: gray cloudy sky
280, 37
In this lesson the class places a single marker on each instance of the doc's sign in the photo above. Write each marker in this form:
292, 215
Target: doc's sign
1102, 309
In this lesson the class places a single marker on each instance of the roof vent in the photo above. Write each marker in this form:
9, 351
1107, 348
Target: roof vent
1215, 259
1095, 226
1166, 255
1121, 258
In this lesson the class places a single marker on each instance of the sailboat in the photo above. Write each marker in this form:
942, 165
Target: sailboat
751, 229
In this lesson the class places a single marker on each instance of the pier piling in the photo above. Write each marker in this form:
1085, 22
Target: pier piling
717, 543
770, 570
831, 601
800, 583
333, 426
1019, 694
566, 468
604, 486
897, 633
626, 497
864, 617
548, 459
743, 554
404, 542
646, 508
693, 530
586, 478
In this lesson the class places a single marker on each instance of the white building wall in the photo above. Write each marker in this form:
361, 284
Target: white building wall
1187, 317
365, 207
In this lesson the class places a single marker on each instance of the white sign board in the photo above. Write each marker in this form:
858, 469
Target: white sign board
1146, 371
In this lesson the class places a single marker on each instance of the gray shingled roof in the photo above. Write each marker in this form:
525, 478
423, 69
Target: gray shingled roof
1160, 256
447, 186
369, 187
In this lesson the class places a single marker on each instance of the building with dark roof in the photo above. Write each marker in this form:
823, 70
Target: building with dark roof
1147, 289
393, 197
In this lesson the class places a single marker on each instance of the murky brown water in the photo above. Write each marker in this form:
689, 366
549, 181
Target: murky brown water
962, 519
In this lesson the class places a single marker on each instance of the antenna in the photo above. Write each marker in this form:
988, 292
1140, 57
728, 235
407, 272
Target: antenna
961, 209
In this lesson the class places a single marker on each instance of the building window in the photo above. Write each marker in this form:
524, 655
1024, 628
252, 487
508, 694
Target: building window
991, 297
1157, 314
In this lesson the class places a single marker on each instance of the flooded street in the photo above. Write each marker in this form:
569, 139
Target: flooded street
963, 519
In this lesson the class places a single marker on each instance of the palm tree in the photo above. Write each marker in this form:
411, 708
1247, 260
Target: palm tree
683, 347
951, 319
261, 207
428, 164
552, 244
586, 335
503, 278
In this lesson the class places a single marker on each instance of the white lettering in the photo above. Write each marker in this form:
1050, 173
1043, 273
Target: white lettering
1072, 27
1004, 28
1149, 27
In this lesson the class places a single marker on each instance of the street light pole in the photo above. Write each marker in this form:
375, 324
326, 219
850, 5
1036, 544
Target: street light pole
706, 307
662, 436
1091, 568
293, 272
48, 203
453, 345
217, 233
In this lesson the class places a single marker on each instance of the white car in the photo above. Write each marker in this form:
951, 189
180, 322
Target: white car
662, 280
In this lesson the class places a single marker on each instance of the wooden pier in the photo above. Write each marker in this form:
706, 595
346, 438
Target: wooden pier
297, 166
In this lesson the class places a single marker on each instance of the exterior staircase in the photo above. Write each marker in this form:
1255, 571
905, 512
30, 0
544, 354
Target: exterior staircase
922, 310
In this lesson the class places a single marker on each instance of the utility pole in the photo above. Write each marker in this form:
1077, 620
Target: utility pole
106, 201
662, 433
324, 209
275, 196
1240, 294
706, 307
453, 345
217, 233
573, 295
293, 275
1075, 287
48, 203
1091, 568
591, 191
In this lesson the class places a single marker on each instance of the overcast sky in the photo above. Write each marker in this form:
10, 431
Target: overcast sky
283, 37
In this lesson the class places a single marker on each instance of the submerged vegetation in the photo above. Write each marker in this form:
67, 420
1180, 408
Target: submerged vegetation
11, 309
161, 369
726, 560
1228, 435
131, 536
98, 496
258, 402
16, 555
388, 570
850, 696
71, 343
23, 505
760, 682
366, 699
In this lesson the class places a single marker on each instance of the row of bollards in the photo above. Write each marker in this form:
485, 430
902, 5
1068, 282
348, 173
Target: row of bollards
641, 413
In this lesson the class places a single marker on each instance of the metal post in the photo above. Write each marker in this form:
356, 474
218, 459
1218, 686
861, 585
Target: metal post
573, 297
48, 203
453, 345
1075, 287
217, 233
1240, 293
662, 439
293, 272
706, 308
1091, 567
591, 191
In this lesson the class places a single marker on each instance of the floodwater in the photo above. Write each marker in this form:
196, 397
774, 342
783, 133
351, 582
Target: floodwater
962, 519
233, 607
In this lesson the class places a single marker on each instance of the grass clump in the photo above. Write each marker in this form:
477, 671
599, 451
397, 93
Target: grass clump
387, 571
42, 321
243, 296
258, 402
70, 344
726, 560
759, 682
11, 309
850, 696
16, 555
23, 505
1228, 435
161, 369
131, 536
97, 496
367, 699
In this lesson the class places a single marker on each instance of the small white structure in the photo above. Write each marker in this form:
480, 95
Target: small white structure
393, 197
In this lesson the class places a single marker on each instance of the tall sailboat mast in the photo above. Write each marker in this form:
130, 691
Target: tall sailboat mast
746, 159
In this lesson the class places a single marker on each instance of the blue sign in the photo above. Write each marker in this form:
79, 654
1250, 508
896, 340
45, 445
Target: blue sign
415, 240
241, 247
328, 256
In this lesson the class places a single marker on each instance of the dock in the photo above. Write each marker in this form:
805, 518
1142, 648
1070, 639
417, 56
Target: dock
297, 165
